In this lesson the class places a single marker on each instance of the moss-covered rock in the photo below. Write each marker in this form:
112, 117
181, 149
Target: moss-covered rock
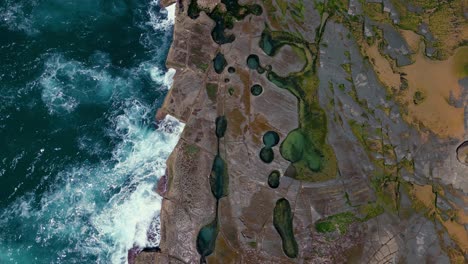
339, 222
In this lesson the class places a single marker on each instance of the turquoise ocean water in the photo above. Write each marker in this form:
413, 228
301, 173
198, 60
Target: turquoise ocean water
80, 153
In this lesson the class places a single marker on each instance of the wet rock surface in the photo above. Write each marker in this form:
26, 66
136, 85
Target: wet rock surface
398, 192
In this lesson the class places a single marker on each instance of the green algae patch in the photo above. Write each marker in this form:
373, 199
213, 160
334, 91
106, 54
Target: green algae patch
461, 62
339, 222
274, 179
313, 160
370, 211
267, 155
221, 126
212, 91
310, 163
316, 166
192, 149
206, 239
292, 148
202, 66
279, 81
283, 222
305, 147
256, 90
347, 68
272, 41
219, 178
271, 139
252, 244
219, 63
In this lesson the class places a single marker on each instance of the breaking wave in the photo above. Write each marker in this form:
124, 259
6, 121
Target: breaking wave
100, 211
95, 211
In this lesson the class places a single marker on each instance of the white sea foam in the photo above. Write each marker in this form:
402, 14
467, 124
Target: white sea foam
171, 13
169, 78
67, 83
165, 79
12, 16
130, 213
105, 209
158, 22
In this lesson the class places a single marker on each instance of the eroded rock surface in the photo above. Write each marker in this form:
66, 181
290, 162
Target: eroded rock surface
398, 192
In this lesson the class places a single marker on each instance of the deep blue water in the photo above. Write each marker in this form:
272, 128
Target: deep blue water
80, 81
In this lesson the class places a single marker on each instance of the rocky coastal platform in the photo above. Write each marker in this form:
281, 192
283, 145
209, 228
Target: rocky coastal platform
295, 150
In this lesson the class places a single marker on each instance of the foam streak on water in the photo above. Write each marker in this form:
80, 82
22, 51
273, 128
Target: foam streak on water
103, 210
94, 212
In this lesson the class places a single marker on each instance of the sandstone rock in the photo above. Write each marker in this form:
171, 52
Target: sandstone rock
245, 216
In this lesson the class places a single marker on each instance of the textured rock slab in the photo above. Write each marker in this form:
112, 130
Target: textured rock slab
180, 99
246, 232
188, 204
